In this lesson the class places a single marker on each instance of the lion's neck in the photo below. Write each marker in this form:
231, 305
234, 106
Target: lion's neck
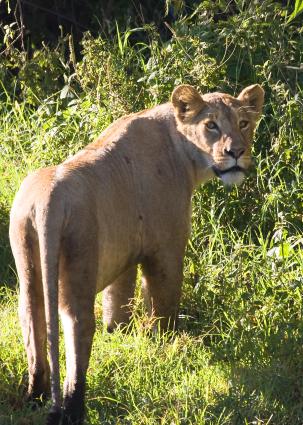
194, 159
201, 170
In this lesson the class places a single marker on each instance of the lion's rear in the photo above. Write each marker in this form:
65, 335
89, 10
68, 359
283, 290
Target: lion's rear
36, 223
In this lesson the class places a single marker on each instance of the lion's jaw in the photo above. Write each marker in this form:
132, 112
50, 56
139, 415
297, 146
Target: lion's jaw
232, 176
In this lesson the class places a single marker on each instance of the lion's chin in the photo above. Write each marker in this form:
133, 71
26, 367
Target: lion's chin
232, 178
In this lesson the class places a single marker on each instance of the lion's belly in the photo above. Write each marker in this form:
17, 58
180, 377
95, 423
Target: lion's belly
113, 261
119, 244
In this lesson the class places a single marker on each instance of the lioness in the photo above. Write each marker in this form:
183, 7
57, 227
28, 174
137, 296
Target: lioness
124, 200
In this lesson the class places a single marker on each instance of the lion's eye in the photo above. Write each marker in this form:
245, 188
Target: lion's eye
211, 125
243, 124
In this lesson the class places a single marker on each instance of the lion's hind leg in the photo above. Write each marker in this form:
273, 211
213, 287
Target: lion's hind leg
31, 308
77, 288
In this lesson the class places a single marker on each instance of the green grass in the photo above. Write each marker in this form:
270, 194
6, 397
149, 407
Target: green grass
237, 358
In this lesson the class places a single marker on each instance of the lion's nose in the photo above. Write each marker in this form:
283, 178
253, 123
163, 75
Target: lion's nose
234, 152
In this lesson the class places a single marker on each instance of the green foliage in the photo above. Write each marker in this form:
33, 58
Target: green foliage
109, 72
238, 356
297, 10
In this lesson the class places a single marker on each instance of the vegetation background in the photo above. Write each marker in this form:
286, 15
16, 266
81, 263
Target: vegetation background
69, 68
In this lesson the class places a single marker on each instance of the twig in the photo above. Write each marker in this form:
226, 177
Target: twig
8, 47
21, 24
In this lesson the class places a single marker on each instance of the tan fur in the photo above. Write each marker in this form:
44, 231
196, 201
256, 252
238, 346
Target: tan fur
124, 200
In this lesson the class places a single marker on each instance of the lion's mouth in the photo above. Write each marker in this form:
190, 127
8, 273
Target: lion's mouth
234, 169
230, 176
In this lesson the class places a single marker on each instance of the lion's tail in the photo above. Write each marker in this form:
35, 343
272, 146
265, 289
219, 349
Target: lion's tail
49, 234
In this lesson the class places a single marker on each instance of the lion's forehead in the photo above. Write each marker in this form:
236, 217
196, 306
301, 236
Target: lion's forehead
224, 106
223, 101
222, 98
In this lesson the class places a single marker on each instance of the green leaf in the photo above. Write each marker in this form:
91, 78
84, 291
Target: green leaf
64, 92
298, 9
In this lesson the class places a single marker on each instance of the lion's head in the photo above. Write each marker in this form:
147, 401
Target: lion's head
221, 126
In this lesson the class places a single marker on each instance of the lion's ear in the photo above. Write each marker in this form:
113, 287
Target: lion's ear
253, 96
187, 102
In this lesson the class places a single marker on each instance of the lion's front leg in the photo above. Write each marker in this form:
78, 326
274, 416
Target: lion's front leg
116, 299
162, 280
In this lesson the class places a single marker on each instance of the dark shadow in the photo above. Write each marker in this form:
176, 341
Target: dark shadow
268, 382
7, 265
